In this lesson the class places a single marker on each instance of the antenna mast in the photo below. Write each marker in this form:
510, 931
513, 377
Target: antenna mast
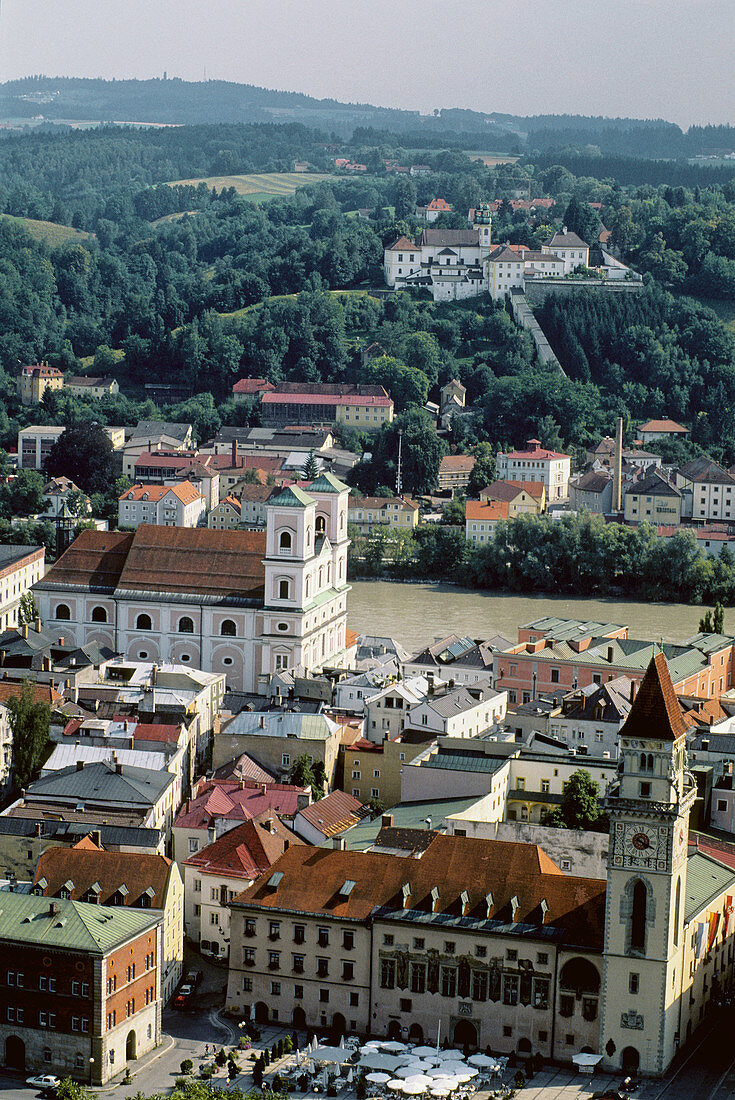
398, 471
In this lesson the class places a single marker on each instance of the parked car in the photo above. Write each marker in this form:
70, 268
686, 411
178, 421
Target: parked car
182, 998
193, 978
46, 1084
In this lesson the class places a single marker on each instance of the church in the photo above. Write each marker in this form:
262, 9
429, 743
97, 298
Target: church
242, 603
492, 942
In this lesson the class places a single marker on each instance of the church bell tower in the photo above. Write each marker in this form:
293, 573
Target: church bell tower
646, 882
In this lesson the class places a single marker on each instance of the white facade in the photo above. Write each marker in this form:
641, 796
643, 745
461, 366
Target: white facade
177, 505
537, 464
206, 913
457, 715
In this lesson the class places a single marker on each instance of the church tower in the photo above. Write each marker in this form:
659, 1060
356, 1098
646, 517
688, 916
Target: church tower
482, 221
646, 882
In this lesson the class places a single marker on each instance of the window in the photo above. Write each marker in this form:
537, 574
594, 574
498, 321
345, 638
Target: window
274, 960
645, 790
324, 996
228, 629
99, 615
298, 964
406, 1004
274, 930
247, 985
322, 968
449, 947
284, 590
348, 940
638, 917
387, 973
721, 805
449, 981
418, 944
566, 1005
479, 985
298, 992
63, 612
555, 675
418, 977
354, 1001
299, 933
143, 622
214, 918
275, 989
194, 847
542, 958
186, 625
510, 989
348, 971
46, 1055
480, 951
545, 786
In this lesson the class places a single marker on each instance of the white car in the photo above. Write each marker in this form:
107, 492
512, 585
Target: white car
46, 1083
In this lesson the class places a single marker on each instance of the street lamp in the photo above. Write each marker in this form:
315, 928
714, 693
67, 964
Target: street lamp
91, 1070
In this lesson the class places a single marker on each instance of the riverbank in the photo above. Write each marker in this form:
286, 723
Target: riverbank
416, 612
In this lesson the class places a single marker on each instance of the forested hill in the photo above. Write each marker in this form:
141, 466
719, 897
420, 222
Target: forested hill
175, 101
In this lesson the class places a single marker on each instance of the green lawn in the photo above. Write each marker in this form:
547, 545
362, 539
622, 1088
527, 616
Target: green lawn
53, 234
238, 314
258, 187
725, 310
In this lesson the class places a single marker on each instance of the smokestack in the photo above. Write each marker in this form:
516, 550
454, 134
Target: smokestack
234, 453
617, 500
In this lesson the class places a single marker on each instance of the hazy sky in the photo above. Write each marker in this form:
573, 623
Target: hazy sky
644, 58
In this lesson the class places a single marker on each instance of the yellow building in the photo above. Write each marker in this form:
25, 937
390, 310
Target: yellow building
368, 770
367, 513
653, 500
34, 380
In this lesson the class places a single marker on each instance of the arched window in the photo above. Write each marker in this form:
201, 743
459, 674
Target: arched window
284, 590
649, 762
285, 542
321, 576
228, 629
307, 589
99, 614
186, 625
677, 908
321, 525
143, 622
63, 612
638, 917
643, 762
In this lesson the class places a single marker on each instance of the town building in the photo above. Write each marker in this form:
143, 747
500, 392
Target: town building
386, 708
367, 513
35, 379
521, 496
373, 771
60, 492
329, 817
277, 738
432, 210
80, 986
653, 430
482, 517
459, 712
226, 516
83, 385
570, 248
35, 443
654, 499
593, 491
216, 874
24, 839
462, 660
244, 507
155, 435
221, 804
87, 872
250, 389
590, 718
555, 656
454, 473
537, 463
242, 603
8, 691
365, 408
179, 505
20, 568
708, 491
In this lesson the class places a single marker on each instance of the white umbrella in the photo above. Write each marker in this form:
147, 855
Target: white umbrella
395, 1085
464, 1077
420, 1079
423, 1052
378, 1078
393, 1045
408, 1070
481, 1060
453, 1055
452, 1068
375, 1060
411, 1089
439, 1092
330, 1054
450, 1083
436, 1071
349, 1076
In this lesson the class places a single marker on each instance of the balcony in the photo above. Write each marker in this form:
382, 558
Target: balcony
274, 965
248, 962
298, 968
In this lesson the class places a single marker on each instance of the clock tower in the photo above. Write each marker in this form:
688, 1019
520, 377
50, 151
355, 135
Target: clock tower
646, 881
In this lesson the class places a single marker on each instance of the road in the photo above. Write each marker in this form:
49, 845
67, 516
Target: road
709, 1074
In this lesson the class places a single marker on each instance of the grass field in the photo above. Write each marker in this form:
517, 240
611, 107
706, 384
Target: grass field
87, 361
258, 187
491, 160
53, 234
725, 310
174, 217
238, 314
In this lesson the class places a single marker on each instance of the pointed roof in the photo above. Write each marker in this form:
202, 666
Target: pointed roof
292, 497
656, 712
328, 483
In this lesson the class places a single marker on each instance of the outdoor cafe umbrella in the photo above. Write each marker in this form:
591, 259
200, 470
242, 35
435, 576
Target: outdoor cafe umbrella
410, 1088
420, 1079
378, 1078
451, 1068
375, 1060
423, 1052
409, 1070
439, 1092
395, 1085
393, 1045
482, 1060
330, 1054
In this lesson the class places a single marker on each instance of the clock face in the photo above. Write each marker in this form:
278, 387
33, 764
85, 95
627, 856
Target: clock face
641, 841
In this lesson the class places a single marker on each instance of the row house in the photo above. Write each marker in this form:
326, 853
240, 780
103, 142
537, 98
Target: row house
537, 463
707, 489
367, 513
80, 986
87, 872
482, 517
366, 408
178, 505
521, 496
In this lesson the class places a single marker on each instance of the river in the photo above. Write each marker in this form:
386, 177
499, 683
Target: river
416, 614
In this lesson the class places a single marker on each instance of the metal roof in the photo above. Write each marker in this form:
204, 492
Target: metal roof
72, 925
406, 815
462, 761
53, 829
103, 782
705, 880
312, 727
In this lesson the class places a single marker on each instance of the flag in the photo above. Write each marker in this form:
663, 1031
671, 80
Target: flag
714, 921
729, 910
699, 943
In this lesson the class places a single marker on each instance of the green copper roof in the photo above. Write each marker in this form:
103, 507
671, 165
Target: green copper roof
328, 483
706, 880
292, 497
75, 925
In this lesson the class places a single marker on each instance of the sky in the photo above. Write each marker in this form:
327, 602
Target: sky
641, 58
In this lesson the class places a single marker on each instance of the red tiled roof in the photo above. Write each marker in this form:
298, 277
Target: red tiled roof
313, 879
457, 464
487, 509
246, 851
669, 426
351, 638
184, 490
402, 245
327, 396
237, 800
42, 693
537, 452
252, 385
509, 490
86, 865
334, 813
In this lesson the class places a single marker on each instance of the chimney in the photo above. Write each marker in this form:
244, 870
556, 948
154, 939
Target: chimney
53, 909
39, 828
80, 765
24, 630
610, 653
118, 769
632, 690
37, 625
263, 788
234, 453
96, 835
338, 843
386, 821
61, 641
617, 500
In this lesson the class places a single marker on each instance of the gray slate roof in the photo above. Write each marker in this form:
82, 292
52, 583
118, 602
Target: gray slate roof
104, 782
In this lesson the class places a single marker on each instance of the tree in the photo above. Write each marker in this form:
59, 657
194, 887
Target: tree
27, 610
24, 495
84, 453
579, 807
311, 467
29, 724
304, 773
580, 218
713, 622
484, 471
